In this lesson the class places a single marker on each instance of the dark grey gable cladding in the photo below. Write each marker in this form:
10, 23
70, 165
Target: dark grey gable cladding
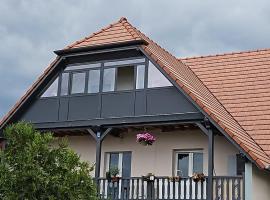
110, 107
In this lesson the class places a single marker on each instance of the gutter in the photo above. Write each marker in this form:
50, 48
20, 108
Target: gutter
99, 47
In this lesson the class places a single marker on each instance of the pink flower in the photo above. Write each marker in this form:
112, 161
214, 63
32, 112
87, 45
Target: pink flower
145, 138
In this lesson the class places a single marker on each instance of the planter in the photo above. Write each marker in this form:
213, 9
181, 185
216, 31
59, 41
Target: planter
174, 178
115, 179
198, 177
149, 178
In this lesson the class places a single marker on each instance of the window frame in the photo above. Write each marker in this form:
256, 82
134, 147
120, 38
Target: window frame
190, 152
100, 65
120, 161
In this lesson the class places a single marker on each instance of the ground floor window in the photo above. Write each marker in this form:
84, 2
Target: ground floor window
188, 162
120, 160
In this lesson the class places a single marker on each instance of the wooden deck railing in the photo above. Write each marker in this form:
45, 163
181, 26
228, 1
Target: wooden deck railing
161, 188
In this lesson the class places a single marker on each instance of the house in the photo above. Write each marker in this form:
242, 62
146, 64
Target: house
209, 115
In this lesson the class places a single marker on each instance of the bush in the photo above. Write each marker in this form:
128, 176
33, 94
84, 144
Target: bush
30, 168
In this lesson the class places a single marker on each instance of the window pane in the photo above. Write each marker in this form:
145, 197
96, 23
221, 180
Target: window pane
108, 80
125, 78
156, 78
64, 84
83, 66
182, 165
126, 168
114, 159
197, 163
93, 82
78, 83
140, 77
124, 62
52, 90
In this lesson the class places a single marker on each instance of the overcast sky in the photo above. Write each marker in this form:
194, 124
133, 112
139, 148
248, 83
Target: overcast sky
31, 30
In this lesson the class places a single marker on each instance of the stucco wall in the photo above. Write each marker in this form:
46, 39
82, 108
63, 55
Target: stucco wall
260, 184
157, 158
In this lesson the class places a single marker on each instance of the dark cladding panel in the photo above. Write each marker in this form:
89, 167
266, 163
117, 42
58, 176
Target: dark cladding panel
83, 107
118, 104
140, 103
42, 110
167, 101
63, 108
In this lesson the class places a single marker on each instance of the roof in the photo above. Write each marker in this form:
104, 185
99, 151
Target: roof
240, 81
188, 79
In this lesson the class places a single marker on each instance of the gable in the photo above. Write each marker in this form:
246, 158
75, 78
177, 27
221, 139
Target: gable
107, 89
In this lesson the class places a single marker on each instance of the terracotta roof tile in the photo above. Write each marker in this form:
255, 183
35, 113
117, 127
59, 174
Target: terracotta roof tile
218, 84
240, 81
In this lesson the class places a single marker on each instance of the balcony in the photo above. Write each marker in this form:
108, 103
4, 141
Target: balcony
224, 188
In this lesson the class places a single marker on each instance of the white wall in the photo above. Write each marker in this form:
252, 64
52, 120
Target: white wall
158, 157
260, 184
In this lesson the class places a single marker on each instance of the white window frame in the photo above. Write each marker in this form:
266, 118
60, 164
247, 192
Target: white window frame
120, 161
190, 160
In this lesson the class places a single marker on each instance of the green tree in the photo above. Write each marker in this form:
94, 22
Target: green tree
32, 168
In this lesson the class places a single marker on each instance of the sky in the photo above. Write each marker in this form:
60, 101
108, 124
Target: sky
30, 30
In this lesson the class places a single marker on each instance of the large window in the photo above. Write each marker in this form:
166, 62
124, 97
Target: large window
187, 163
140, 77
116, 75
64, 84
52, 90
109, 80
156, 78
93, 81
78, 83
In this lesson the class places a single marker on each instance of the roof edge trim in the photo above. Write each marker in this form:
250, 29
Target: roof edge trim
99, 47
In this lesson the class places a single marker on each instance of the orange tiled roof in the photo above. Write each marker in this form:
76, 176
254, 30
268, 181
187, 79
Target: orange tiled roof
193, 82
240, 81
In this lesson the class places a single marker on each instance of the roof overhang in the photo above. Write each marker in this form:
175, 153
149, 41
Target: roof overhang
63, 52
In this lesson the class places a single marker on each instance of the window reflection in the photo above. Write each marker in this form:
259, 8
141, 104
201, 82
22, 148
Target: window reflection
64, 84
93, 82
156, 78
78, 83
52, 90
108, 80
140, 77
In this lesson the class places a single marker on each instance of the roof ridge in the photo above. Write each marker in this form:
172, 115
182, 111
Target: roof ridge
224, 54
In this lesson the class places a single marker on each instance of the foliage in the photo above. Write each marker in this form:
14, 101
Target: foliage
32, 168
114, 171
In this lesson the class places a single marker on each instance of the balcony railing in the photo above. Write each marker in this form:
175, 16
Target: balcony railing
224, 188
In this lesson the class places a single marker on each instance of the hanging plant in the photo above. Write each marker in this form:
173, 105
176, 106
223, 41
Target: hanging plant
145, 138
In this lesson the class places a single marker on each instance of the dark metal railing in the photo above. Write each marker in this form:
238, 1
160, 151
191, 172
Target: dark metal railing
224, 188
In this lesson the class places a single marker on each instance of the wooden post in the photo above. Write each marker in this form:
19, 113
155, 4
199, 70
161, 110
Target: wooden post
99, 135
210, 160
98, 154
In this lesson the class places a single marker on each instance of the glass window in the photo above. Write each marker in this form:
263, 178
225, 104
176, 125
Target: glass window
183, 165
83, 66
156, 78
114, 160
140, 77
124, 62
64, 84
125, 78
108, 80
188, 163
52, 90
78, 83
93, 81
120, 160
197, 163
